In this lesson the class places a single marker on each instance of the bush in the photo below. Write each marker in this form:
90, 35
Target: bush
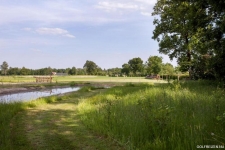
72, 83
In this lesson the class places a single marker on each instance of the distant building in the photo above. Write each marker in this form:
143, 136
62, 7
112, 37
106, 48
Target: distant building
62, 74
54, 73
59, 74
155, 76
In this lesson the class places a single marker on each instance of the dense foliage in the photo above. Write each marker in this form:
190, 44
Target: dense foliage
134, 67
193, 31
4, 67
90, 67
154, 64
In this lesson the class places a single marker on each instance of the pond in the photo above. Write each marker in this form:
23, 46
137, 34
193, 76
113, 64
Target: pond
27, 96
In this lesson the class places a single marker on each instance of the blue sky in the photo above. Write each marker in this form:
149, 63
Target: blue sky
66, 33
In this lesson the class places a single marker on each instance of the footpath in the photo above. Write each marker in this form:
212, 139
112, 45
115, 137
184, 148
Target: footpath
57, 126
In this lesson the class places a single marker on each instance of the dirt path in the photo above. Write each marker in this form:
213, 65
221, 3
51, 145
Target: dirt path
57, 126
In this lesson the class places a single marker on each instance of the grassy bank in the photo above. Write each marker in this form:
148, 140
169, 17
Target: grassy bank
169, 116
50, 123
9, 111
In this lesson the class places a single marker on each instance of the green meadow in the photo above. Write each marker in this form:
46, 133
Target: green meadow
61, 79
169, 116
139, 116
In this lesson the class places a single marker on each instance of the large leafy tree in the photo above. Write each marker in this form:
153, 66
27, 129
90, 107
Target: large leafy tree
178, 27
216, 37
194, 32
90, 67
136, 65
4, 67
154, 64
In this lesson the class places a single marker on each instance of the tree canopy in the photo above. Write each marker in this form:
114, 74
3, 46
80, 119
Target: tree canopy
125, 69
4, 67
177, 29
72, 71
90, 67
190, 30
136, 65
167, 69
154, 64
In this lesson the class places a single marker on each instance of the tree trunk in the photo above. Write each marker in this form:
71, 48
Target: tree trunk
188, 56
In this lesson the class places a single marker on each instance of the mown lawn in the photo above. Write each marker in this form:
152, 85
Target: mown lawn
50, 123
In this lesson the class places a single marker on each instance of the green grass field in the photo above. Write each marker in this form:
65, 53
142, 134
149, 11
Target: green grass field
133, 116
166, 116
60, 79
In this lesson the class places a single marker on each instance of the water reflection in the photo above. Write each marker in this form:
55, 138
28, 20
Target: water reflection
27, 96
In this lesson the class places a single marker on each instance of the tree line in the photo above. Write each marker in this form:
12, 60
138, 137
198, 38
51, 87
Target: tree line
193, 31
134, 67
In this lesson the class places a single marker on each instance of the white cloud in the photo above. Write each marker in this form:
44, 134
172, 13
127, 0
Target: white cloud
114, 6
69, 36
45, 13
148, 2
142, 7
54, 31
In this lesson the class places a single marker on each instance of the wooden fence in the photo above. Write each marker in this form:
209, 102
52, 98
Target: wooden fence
44, 79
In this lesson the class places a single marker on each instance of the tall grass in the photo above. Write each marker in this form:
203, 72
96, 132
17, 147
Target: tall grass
172, 116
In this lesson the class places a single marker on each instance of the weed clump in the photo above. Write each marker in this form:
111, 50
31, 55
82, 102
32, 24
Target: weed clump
72, 83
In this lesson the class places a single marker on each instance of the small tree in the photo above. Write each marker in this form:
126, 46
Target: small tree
90, 67
154, 64
73, 71
168, 69
125, 69
136, 65
24, 71
4, 67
